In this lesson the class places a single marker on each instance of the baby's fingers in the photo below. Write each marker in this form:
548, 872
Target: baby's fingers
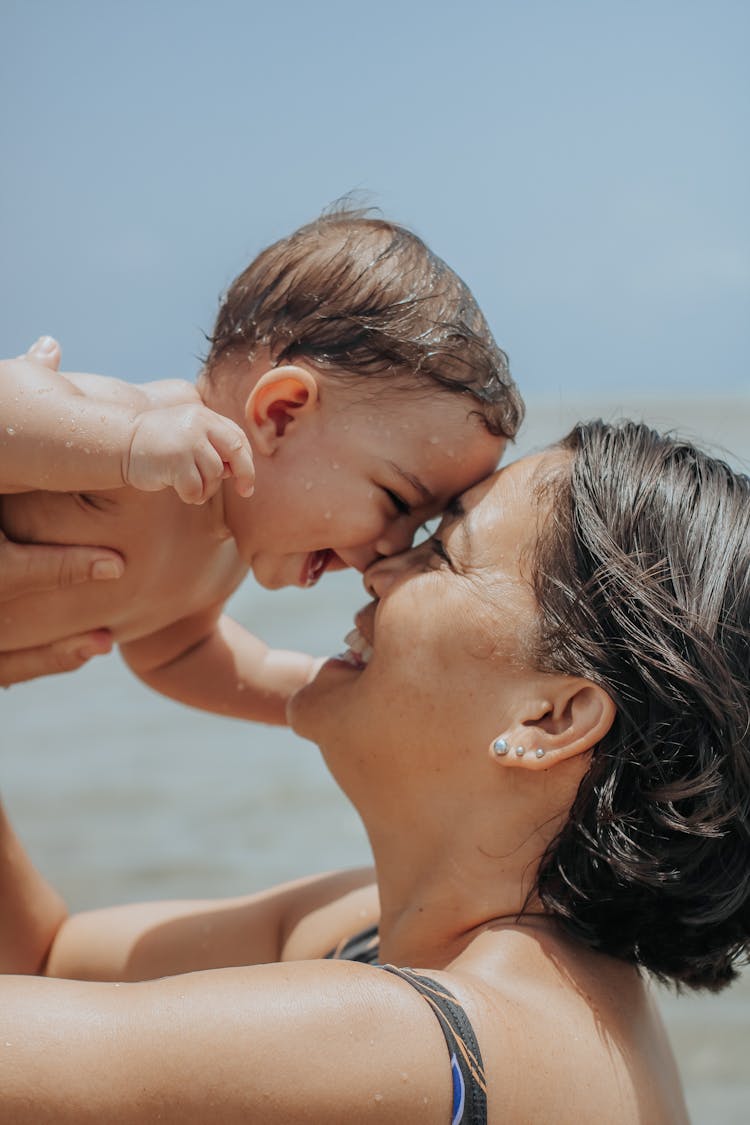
189, 485
232, 446
210, 466
45, 351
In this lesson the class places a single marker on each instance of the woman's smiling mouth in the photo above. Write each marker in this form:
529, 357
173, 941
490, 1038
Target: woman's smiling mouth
359, 652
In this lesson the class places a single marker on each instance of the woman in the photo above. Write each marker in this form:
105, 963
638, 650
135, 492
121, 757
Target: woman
543, 720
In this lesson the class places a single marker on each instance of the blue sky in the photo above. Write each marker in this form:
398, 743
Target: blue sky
584, 165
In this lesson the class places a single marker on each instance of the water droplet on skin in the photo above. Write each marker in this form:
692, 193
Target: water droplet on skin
327, 515
335, 465
308, 485
378, 1098
68, 444
434, 440
9, 430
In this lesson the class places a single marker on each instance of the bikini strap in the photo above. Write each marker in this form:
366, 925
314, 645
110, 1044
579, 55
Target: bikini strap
467, 1068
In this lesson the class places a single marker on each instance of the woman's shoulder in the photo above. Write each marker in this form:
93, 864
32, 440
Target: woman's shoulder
565, 1030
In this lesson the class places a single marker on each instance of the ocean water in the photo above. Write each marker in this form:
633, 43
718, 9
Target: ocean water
123, 795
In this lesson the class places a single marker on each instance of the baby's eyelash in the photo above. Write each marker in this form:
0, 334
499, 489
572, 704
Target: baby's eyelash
398, 502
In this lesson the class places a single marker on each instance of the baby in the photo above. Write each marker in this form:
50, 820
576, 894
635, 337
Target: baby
358, 368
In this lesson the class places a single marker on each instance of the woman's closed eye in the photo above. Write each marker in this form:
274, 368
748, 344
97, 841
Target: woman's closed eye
437, 548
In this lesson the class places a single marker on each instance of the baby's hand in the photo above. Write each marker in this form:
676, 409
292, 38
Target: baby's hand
189, 448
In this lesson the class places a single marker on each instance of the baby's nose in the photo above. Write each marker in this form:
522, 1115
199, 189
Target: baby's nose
398, 537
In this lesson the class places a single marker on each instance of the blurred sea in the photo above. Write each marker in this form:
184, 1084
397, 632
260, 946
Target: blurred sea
122, 795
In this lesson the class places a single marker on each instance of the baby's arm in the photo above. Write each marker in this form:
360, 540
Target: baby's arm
211, 662
103, 433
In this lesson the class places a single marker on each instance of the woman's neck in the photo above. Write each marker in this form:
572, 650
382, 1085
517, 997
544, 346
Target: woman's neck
435, 899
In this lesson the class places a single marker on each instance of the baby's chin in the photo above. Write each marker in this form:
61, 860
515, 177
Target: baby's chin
274, 572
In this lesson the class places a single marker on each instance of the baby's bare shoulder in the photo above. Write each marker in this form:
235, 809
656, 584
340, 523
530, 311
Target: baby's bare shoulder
169, 392
134, 396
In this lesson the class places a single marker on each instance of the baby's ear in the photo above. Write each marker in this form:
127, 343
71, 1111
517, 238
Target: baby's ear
280, 397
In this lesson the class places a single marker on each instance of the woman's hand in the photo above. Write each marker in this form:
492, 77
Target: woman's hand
25, 569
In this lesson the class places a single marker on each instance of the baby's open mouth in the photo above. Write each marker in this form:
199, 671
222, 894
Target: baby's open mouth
315, 565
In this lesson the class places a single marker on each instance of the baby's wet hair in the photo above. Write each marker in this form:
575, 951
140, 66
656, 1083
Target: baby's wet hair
358, 295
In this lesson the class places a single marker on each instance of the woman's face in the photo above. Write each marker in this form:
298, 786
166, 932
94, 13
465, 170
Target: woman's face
442, 655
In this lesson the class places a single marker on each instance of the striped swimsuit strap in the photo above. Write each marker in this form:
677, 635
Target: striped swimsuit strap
363, 946
467, 1068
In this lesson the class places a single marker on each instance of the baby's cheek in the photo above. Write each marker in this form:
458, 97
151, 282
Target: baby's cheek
359, 518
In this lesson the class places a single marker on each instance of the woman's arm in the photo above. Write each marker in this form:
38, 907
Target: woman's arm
302, 1042
31, 911
295, 921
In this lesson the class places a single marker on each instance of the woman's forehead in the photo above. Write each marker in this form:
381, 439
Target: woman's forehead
500, 516
518, 480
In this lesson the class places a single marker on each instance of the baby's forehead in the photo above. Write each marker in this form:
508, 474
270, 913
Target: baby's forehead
417, 402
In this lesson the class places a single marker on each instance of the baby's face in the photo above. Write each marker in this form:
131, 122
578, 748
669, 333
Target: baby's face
366, 469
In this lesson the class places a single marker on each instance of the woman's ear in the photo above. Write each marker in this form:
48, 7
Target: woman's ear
560, 724
280, 397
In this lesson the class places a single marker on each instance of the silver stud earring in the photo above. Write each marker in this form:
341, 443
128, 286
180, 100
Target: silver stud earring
520, 751
540, 752
500, 747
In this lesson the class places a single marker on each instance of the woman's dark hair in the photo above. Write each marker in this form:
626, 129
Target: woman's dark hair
363, 296
643, 583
